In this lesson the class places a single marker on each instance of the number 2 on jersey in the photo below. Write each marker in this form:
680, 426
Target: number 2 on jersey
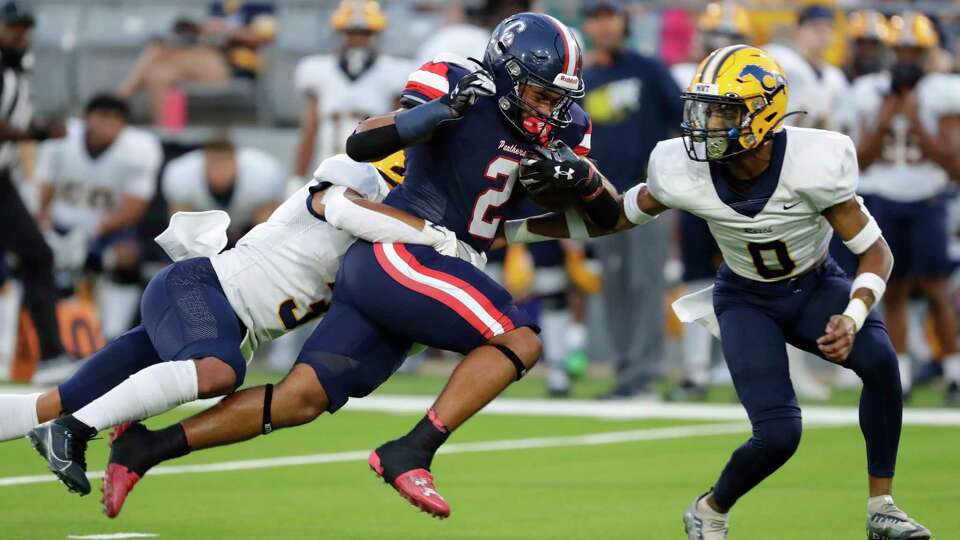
779, 249
500, 168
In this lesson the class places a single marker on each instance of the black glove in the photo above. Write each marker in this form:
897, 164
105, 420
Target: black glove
476, 84
558, 168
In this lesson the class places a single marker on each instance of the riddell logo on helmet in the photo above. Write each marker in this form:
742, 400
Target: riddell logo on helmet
567, 81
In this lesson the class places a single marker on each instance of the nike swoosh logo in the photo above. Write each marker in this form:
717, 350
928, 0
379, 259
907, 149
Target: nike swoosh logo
789, 206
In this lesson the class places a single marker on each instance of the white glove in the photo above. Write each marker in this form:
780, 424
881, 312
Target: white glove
446, 243
472, 256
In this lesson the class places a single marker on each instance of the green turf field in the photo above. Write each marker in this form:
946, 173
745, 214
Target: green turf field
635, 490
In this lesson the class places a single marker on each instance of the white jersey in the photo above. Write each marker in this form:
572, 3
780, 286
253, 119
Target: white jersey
901, 173
464, 40
260, 181
789, 236
87, 188
683, 73
280, 273
821, 91
344, 102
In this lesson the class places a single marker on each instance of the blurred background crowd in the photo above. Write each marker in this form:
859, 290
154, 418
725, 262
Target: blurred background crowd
118, 113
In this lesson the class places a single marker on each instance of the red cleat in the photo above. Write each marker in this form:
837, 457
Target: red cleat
118, 481
416, 486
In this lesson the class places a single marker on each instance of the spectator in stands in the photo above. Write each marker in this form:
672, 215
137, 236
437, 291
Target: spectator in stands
343, 88
816, 86
21, 236
97, 183
247, 183
224, 46
634, 103
868, 31
467, 36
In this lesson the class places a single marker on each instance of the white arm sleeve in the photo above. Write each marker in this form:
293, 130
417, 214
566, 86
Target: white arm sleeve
374, 226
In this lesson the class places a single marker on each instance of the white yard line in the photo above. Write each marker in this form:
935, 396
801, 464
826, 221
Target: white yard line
592, 439
111, 536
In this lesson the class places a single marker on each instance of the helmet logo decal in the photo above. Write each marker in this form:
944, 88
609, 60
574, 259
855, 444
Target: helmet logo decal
511, 31
769, 81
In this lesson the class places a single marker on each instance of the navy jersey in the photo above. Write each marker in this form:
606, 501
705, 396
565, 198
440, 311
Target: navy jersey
464, 177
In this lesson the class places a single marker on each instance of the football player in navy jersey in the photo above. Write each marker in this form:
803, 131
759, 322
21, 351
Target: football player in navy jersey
466, 127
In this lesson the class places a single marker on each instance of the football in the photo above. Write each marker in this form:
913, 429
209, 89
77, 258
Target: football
554, 199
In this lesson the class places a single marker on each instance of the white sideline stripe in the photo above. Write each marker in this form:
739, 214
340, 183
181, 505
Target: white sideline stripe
111, 536
592, 439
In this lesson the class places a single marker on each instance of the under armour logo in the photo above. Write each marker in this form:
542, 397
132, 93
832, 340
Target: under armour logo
558, 172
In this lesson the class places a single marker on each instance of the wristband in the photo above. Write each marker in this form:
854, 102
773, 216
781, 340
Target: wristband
857, 310
631, 207
868, 280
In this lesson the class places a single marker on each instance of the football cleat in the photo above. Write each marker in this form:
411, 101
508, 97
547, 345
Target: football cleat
415, 485
887, 522
704, 523
63, 444
119, 478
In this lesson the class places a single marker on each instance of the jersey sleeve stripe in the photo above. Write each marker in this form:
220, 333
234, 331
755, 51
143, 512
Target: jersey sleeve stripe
438, 83
473, 307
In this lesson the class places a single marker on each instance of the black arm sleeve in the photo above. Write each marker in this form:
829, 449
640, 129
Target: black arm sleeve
374, 144
603, 210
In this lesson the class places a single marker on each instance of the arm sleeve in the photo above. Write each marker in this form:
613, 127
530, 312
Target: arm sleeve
371, 225
143, 169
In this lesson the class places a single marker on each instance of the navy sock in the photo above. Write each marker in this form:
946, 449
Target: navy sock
108, 367
772, 444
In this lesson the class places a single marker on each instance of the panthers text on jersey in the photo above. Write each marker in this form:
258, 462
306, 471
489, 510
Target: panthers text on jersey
86, 187
343, 101
260, 181
464, 177
821, 92
279, 275
901, 173
773, 228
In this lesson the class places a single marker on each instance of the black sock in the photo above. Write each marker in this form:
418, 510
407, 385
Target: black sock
140, 449
427, 436
78, 427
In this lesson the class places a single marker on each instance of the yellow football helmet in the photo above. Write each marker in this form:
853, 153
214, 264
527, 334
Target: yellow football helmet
868, 24
726, 18
735, 102
358, 15
913, 30
392, 168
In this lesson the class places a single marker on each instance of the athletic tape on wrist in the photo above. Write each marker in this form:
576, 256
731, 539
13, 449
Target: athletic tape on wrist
631, 207
516, 232
857, 310
867, 236
868, 280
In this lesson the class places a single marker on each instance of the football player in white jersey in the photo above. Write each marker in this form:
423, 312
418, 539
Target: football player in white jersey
773, 197
721, 24
907, 143
246, 183
344, 88
96, 185
205, 314
817, 87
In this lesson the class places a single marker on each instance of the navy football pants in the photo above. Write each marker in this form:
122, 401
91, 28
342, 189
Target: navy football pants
756, 322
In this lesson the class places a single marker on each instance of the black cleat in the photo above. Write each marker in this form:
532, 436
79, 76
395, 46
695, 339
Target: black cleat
63, 444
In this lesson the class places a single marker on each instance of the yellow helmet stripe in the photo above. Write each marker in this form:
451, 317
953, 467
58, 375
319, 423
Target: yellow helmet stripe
712, 69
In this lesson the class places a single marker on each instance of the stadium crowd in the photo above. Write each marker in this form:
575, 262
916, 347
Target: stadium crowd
101, 184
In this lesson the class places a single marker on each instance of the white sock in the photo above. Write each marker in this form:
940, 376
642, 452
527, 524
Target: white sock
951, 368
18, 415
697, 353
148, 392
877, 504
906, 372
705, 508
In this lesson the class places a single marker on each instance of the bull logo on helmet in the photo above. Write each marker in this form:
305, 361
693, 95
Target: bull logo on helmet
769, 81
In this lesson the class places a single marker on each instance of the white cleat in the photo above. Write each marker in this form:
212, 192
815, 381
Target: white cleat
887, 522
704, 523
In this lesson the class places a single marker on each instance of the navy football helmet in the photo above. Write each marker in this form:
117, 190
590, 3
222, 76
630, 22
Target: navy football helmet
535, 49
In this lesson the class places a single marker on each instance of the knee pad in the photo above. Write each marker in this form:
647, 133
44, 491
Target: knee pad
512, 357
780, 436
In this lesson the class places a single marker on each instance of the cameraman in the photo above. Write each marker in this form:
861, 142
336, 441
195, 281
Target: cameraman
908, 143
